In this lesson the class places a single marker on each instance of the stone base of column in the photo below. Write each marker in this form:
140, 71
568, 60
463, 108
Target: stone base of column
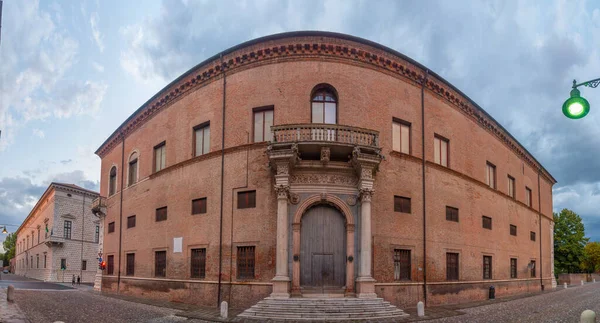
98, 282
281, 287
554, 282
365, 287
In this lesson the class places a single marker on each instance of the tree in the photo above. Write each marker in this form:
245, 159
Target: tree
591, 257
569, 242
9, 247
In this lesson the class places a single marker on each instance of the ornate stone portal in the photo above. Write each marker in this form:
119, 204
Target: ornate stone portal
327, 168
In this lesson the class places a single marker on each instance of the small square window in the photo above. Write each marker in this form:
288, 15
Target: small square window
532, 236
199, 206
401, 204
451, 214
161, 214
487, 222
111, 227
130, 221
513, 230
246, 199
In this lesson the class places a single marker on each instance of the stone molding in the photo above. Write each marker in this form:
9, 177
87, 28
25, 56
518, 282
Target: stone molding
303, 47
325, 198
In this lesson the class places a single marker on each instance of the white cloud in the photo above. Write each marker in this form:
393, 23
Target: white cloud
38, 133
98, 67
94, 18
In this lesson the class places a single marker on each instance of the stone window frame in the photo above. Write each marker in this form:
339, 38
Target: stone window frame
490, 274
237, 261
112, 180
67, 229
324, 88
134, 158
514, 270
200, 265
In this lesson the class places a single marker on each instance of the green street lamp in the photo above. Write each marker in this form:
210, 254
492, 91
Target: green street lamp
577, 107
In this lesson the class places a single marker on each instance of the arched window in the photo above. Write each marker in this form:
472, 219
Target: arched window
112, 181
133, 169
324, 105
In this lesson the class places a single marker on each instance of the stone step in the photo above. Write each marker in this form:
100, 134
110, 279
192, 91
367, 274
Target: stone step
332, 311
323, 309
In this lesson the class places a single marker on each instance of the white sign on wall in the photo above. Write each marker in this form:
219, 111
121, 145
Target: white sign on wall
177, 244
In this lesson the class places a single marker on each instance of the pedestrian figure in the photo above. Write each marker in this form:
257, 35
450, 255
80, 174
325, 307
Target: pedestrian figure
73, 281
78, 280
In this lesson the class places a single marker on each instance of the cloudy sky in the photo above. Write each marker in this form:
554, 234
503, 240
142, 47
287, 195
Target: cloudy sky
72, 71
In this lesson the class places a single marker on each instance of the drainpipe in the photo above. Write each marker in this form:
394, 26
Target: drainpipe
540, 230
222, 182
121, 212
423, 82
82, 236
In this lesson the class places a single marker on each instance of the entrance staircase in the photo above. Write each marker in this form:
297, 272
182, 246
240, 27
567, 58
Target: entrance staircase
324, 308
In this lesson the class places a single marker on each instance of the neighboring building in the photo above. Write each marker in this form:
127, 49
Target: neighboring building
60, 232
333, 182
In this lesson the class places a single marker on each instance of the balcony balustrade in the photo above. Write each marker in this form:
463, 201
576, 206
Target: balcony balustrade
325, 133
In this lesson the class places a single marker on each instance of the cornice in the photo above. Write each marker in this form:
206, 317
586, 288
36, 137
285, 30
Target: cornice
311, 45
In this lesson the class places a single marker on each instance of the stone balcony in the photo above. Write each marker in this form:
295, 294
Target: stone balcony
325, 142
99, 206
54, 241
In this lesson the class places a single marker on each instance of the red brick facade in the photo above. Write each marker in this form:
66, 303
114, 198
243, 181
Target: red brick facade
374, 85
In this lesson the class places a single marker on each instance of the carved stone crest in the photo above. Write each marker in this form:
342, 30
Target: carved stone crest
351, 200
325, 155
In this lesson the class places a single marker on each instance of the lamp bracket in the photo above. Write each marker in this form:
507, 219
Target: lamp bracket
593, 83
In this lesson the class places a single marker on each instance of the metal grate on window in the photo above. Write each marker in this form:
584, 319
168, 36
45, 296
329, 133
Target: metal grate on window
513, 267
402, 204
532, 268
246, 199
487, 267
130, 268
110, 266
198, 263
161, 214
160, 264
451, 214
402, 266
451, 266
245, 262
199, 206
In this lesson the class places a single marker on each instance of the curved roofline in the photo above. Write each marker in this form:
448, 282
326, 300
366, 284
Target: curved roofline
315, 33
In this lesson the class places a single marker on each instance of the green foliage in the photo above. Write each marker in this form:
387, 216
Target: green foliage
9, 247
591, 257
569, 242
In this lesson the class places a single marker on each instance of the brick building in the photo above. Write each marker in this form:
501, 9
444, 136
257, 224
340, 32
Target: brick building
60, 232
314, 162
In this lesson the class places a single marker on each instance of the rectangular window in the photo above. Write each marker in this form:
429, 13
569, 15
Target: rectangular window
246, 199
402, 265
202, 139
263, 121
160, 264
110, 265
161, 214
84, 265
63, 263
198, 263
245, 262
513, 267
38, 235
451, 266
130, 267
131, 221
401, 136
513, 230
46, 234
111, 227
67, 232
199, 206
487, 267
401, 204
451, 214
31, 262
490, 175
528, 196
97, 234
37, 261
133, 165
44, 260
532, 268
440, 149
160, 156
511, 186
487, 222
532, 236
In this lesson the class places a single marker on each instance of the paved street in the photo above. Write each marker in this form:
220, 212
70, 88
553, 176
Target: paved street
559, 306
21, 282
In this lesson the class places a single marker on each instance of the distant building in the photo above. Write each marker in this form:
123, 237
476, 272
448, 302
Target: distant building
60, 236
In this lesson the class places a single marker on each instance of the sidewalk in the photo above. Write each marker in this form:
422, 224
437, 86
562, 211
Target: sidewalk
10, 312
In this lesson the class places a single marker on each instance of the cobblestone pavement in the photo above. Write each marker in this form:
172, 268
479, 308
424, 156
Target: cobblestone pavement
76, 306
20, 282
559, 306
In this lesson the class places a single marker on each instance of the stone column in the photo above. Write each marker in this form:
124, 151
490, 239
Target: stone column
552, 253
98, 278
282, 280
366, 283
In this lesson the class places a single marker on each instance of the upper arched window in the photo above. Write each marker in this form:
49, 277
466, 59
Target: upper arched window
324, 105
112, 181
133, 169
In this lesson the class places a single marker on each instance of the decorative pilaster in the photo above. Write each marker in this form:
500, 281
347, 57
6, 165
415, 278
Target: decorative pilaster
552, 254
99, 210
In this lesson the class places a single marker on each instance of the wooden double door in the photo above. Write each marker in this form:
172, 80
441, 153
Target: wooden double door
323, 249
